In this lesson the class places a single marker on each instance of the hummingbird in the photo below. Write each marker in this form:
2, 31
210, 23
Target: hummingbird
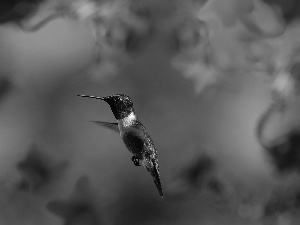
133, 133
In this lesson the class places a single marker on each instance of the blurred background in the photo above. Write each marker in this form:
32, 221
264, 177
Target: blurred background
214, 81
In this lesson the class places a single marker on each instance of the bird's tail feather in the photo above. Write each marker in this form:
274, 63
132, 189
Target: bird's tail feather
156, 177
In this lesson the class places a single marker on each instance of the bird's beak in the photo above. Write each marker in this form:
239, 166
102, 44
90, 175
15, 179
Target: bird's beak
91, 96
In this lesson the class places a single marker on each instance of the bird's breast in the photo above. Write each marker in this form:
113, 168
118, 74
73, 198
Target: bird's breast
133, 142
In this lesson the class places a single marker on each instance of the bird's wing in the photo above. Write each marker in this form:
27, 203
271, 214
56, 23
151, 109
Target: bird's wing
111, 126
154, 171
139, 133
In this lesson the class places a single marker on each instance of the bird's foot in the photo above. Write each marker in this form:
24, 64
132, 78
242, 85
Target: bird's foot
135, 160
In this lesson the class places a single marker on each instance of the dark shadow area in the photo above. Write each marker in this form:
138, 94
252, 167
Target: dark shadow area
17, 10
38, 170
285, 154
78, 209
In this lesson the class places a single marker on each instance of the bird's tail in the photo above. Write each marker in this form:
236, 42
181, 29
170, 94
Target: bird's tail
154, 171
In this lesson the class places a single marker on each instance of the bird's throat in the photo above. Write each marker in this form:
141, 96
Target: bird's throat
128, 120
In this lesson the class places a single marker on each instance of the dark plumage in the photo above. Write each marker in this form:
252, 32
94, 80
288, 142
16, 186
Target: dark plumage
133, 134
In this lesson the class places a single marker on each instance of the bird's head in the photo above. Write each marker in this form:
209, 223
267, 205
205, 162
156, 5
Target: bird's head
121, 105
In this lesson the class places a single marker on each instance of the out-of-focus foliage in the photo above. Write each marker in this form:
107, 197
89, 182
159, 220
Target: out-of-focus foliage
289, 9
200, 73
79, 208
17, 10
120, 28
38, 171
226, 41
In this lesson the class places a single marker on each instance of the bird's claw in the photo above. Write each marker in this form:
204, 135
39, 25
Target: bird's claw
135, 160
